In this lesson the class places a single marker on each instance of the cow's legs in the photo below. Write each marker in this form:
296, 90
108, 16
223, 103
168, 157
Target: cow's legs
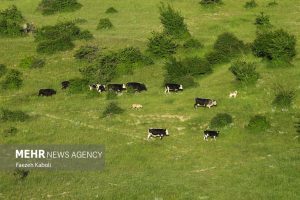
214, 137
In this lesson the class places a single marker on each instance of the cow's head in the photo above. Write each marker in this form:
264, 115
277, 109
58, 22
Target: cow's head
214, 102
167, 132
124, 86
180, 87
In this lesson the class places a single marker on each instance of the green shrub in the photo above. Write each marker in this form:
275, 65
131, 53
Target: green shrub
11, 20
30, 62
3, 70
210, 2
59, 37
226, 47
275, 45
130, 55
263, 20
79, 20
192, 44
87, 52
112, 109
85, 35
13, 116
111, 10
221, 120
78, 85
172, 21
48, 7
258, 123
283, 96
250, 4
196, 66
244, 72
104, 23
12, 80
11, 131
272, 3
20, 174
161, 45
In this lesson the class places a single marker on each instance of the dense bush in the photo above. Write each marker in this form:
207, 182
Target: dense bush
20, 174
195, 66
104, 23
161, 45
192, 44
258, 123
11, 131
11, 21
250, 4
59, 37
221, 120
130, 55
3, 70
87, 52
245, 72
272, 3
283, 96
111, 10
30, 62
13, 116
172, 22
210, 2
112, 109
78, 85
275, 45
263, 20
226, 47
12, 80
48, 7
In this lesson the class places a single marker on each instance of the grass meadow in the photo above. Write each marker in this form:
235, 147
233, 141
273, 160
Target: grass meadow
240, 165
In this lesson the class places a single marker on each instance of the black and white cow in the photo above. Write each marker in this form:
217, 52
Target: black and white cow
136, 87
157, 132
173, 87
65, 84
100, 88
200, 102
211, 134
93, 87
46, 92
116, 87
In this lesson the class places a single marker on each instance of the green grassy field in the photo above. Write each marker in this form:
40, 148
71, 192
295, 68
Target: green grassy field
239, 165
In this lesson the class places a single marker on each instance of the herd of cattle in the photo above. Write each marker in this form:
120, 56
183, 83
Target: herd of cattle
139, 87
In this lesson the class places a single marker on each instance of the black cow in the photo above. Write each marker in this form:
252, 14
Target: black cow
211, 134
100, 88
136, 87
157, 132
172, 87
65, 84
204, 102
46, 92
116, 87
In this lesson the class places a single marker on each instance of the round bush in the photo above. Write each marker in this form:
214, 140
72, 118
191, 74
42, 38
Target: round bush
104, 23
12, 80
111, 10
284, 96
78, 85
250, 4
48, 7
3, 70
112, 109
221, 120
11, 20
161, 45
263, 20
258, 123
87, 52
244, 72
192, 44
32, 62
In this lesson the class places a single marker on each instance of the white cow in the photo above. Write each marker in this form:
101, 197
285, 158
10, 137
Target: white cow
233, 94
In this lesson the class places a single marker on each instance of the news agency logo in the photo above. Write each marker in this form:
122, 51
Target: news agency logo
58, 157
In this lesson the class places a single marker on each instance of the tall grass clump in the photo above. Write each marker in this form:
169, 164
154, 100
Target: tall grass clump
11, 20
161, 45
12, 116
3, 70
11, 131
210, 2
221, 120
244, 72
284, 96
112, 109
87, 52
111, 10
250, 4
192, 44
272, 3
12, 80
226, 47
173, 22
59, 37
48, 7
20, 174
32, 62
258, 123
104, 23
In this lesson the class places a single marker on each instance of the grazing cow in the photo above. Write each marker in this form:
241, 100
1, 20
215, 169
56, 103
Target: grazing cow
211, 134
116, 87
233, 94
100, 88
204, 102
172, 87
136, 87
157, 132
46, 92
65, 84
136, 106
93, 87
